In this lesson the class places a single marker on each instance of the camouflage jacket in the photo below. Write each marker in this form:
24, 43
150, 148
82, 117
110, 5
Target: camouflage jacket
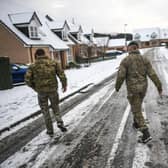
41, 76
135, 69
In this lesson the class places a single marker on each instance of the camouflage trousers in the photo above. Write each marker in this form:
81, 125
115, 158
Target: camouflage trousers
43, 103
135, 101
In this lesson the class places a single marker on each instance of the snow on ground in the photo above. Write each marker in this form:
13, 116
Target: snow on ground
42, 141
164, 52
163, 55
19, 102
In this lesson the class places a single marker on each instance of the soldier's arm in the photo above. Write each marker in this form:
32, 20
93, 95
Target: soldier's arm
60, 73
121, 76
29, 78
153, 76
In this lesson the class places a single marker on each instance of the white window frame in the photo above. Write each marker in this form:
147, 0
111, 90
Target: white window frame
79, 36
64, 35
69, 55
33, 32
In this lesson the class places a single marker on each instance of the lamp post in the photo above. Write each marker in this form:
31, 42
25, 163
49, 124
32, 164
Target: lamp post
125, 36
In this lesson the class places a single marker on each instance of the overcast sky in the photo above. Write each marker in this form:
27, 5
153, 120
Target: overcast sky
106, 15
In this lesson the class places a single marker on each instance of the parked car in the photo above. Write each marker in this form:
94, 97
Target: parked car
18, 72
113, 52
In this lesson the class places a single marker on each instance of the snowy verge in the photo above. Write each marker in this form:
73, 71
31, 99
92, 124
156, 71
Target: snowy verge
19, 102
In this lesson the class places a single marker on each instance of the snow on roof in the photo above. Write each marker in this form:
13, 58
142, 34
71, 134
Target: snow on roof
51, 38
146, 33
74, 28
74, 39
59, 25
19, 18
56, 25
116, 42
100, 41
69, 42
84, 39
47, 37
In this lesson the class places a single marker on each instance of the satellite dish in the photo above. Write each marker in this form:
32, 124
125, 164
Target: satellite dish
137, 36
154, 35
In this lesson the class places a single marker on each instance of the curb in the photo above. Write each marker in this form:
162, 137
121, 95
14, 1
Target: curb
39, 112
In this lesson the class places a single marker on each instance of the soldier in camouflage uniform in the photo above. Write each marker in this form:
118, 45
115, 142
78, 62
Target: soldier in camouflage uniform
41, 77
135, 69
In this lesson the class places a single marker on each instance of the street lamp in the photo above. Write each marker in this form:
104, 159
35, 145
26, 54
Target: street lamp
125, 36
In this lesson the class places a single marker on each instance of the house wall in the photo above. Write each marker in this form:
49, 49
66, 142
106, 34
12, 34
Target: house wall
94, 51
116, 48
149, 44
76, 49
57, 56
84, 51
32, 50
73, 50
63, 56
60, 56
164, 40
12, 47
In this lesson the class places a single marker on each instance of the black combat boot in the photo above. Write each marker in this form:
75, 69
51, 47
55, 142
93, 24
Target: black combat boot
51, 134
135, 125
146, 137
61, 126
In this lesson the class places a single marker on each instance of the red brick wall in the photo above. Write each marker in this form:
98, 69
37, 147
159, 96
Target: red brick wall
12, 47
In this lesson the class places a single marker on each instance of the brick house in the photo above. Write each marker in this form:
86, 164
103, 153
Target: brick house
81, 49
61, 29
116, 44
164, 36
93, 45
147, 37
22, 33
101, 43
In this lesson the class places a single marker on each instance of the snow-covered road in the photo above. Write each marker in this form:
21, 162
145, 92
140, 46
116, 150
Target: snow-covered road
21, 101
87, 124
94, 128
155, 153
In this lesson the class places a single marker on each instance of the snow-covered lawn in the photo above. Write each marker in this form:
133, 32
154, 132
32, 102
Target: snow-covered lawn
19, 102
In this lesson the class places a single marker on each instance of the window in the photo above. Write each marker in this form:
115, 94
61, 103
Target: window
147, 43
64, 35
33, 32
154, 43
69, 56
79, 36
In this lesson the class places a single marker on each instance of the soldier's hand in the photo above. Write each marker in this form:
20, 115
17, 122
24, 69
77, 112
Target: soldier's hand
64, 89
